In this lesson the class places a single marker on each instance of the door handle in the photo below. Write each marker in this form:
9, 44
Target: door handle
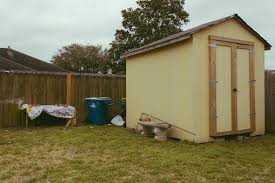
235, 90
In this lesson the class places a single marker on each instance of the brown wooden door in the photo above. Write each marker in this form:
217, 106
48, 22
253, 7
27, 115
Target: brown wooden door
232, 92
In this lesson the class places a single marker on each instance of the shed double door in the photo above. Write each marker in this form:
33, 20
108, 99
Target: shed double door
232, 87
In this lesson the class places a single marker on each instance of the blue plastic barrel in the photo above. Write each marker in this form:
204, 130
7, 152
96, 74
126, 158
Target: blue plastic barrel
98, 110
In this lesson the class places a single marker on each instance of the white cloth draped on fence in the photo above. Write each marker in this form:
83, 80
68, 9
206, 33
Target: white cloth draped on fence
66, 112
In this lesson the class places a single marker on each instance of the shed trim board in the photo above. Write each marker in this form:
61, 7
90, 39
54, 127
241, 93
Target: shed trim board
234, 45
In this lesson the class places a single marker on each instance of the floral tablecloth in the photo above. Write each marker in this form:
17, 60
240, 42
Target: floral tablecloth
66, 112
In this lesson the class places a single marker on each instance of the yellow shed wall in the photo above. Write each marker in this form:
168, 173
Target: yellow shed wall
172, 83
229, 29
160, 83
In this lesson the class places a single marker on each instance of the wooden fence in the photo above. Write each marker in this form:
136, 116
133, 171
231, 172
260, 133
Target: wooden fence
270, 100
54, 88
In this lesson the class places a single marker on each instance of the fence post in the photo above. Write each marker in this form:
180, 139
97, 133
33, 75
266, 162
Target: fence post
269, 90
69, 89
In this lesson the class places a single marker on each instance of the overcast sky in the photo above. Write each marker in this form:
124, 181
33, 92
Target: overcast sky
40, 28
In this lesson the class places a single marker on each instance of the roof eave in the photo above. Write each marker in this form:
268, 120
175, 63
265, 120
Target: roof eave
156, 46
160, 44
268, 47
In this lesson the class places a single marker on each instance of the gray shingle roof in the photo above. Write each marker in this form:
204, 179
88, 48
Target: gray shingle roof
15, 60
188, 34
6, 64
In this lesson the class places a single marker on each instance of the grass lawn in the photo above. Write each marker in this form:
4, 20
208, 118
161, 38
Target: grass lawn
110, 154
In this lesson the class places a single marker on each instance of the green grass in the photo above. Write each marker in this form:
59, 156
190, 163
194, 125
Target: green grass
109, 154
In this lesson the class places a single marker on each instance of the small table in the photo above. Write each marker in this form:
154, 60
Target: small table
58, 111
153, 129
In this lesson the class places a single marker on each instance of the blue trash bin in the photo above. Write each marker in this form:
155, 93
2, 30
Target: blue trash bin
98, 110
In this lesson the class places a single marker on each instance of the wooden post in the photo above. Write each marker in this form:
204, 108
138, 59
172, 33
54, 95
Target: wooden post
69, 89
69, 98
269, 98
27, 120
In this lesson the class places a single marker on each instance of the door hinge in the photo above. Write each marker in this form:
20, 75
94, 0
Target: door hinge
215, 117
252, 82
213, 45
212, 82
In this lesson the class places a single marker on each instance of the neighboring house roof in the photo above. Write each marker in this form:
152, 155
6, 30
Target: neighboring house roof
6, 64
188, 34
15, 60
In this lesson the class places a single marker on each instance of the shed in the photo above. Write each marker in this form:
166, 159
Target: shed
208, 81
